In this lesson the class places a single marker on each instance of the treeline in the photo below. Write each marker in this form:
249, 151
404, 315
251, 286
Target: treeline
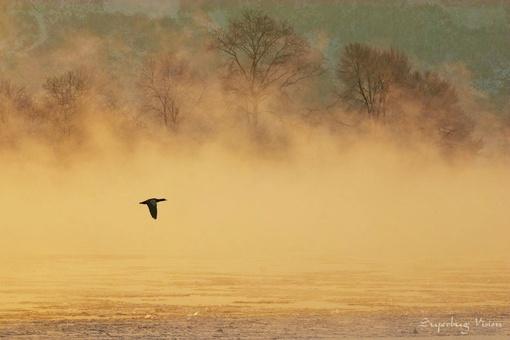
263, 71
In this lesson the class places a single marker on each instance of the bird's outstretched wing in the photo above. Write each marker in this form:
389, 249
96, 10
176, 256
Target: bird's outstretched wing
153, 208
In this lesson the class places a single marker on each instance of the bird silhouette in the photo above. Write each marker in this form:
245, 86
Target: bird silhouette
152, 203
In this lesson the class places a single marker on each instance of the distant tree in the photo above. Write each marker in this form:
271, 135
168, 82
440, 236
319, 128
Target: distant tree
17, 113
440, 110
376, 80
367, 75
165, 83
14, 94
262, 54
15, 104
65, 92
436, 92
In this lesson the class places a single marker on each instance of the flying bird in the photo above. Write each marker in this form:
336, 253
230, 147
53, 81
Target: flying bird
152, 203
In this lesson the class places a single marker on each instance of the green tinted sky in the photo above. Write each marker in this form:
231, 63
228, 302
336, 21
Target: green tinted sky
432, 32
474, 33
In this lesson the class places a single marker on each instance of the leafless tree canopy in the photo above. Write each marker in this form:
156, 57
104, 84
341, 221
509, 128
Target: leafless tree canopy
370, 77
67, 88
368, 74
13, 98
440, 108
15, 94
65, 92
163, 81
263, 53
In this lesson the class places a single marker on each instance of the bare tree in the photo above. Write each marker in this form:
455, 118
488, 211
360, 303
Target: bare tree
439, 101
16, 94
65, 92
368, 74
13, 98
164, 82
375, 79
263, 53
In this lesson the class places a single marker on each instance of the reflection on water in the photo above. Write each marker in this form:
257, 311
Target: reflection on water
116, 286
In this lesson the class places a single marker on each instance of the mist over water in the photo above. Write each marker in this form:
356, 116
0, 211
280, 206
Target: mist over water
371, 201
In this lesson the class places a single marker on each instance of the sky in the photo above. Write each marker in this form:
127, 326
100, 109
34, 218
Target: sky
475, 34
